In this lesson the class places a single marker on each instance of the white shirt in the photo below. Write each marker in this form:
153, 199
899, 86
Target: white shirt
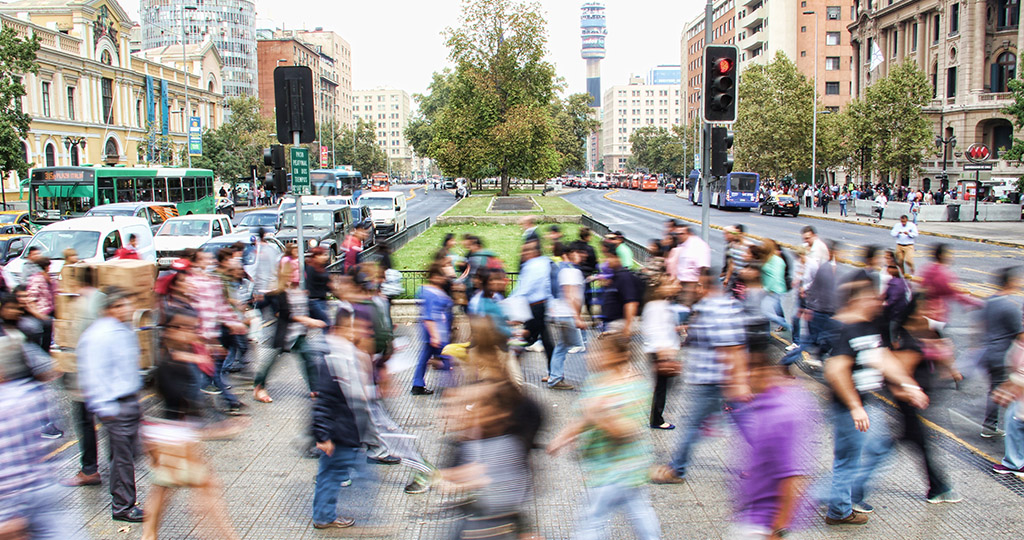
880, 200
572, 278
659, 326
904, 234
819, 252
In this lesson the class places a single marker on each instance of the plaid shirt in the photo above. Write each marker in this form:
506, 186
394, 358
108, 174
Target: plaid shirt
717, 321
211, 304
41, 292
23, 464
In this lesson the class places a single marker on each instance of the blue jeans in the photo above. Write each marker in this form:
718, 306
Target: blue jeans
332, 472
238, 347
566, 336
45, 518
605, 500
818, 338
771, 307
842, 208
428, 352
855, 458
705, 400
318, 310
1013, 456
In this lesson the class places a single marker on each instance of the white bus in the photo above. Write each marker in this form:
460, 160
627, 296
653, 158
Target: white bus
597, 180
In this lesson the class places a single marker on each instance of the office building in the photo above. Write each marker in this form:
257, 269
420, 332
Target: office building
290, 51
628, 107
664, 75
389, 110
335, 66
230, 24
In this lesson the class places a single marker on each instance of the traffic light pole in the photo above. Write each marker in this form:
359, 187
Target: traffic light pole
298, 224
705, 165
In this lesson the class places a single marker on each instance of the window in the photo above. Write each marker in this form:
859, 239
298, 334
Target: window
71, 102
867, 55
832, 88
832, 109
935, 81
935, 29
803, 29
107, 90
913, 37
46, 99
833, 13
951, 82
831, 38
832, 63
51, 156
853, 12
1008, 14
74, 156
954, 19
1003, 70
803, 54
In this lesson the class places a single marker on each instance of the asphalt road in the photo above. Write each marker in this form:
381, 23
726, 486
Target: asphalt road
958, 410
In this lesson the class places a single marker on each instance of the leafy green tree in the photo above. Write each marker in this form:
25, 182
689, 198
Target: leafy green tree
773, 128
420, 131
17, 57
574, 122
359, 148
1016, 111
496, 119
890, 123
661, 151
237, 145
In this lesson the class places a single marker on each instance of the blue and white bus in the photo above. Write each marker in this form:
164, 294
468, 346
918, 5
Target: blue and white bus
734, 190
327, 182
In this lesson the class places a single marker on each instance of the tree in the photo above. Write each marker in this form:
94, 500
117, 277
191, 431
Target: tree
363, 153
17, 57
773, 128
496, 118
420, 131
1016, 111
661, 151
237, 145
890, 125
574, 122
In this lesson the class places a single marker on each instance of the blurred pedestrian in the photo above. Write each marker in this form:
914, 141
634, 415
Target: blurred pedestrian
615, 449
686, 261
1001, 324
905, 234
41, 301
588, 264
620, 297
939, 284
564, 313
352, 246
661, 344
130, 251
317, 283
435, 315
534, 286
217, 317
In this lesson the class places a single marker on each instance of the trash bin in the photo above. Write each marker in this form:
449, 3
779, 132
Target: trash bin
952, 212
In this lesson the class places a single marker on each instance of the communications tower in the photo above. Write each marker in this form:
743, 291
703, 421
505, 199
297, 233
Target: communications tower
593, 31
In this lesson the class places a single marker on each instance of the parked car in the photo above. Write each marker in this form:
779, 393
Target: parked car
156, 213
225, 206
363, 213
11, 245
259, 219
670, 187
192, 231
388, 210
94, 239
341, 200
248, 240
307, 200
323, 225
781, 204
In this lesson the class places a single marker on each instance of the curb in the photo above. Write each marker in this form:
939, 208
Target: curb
928, 233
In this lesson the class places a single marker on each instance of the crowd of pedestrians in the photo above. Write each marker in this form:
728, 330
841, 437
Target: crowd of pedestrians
821, 195
702, 329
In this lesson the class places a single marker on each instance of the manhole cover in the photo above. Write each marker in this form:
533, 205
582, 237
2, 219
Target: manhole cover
512, 204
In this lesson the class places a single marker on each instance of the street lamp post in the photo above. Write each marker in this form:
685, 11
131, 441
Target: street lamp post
187, 120
945, 143
814, 128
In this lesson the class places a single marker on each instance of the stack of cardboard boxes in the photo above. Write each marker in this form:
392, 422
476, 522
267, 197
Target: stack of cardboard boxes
138, 277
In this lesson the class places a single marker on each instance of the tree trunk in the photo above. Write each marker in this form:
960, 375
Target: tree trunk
504, 183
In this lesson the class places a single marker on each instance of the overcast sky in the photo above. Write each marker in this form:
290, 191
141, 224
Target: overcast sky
398, 43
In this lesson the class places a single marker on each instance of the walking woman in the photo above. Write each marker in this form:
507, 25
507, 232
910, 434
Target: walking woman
661, 343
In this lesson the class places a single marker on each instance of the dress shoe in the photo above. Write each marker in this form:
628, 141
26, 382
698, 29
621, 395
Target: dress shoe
82, 479
340, 523
384, 460
421, 391
133, 515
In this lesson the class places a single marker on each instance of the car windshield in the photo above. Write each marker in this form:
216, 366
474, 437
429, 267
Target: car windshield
110, 212
53, 243
258, 220
338, 200
310, 218
185, 227
8, 218
786, 199
377, 203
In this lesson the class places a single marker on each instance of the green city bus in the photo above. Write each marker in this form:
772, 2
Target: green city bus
57, 193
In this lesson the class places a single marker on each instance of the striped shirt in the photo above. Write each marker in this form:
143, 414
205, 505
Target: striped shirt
211, 304
23, 464
717, 321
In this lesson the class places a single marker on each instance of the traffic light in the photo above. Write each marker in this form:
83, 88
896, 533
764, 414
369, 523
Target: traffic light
280, 181
721, 151
273, 157
720, 70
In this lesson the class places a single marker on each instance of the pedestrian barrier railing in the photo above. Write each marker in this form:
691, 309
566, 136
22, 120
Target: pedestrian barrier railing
394, 242
640, 253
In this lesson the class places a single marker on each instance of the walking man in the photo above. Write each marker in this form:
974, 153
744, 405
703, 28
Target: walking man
535, 286
905, 232
1002, 319
108, 360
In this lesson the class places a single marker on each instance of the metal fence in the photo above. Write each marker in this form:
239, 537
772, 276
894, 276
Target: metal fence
412, 280
640, 252
394, 241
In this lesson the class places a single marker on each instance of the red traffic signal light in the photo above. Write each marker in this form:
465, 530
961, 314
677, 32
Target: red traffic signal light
725, 65
720, 84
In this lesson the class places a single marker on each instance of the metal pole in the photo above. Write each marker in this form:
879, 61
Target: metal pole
977, 193
298, 223
814, 103
705, 201
186, 122
332, 145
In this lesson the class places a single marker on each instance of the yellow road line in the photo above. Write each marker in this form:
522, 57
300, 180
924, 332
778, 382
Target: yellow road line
73, 442
412, 195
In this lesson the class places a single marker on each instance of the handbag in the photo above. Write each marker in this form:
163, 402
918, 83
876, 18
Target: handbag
667, 363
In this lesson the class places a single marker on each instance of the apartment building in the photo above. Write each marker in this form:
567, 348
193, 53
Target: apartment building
389, 110
628, 107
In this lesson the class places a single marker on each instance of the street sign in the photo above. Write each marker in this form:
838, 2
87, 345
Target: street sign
293, 96
977, 153
195, 136
323, 156
696, 160
977, 166
300, 171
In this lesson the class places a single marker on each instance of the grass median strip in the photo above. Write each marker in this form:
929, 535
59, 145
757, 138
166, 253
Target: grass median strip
476, 205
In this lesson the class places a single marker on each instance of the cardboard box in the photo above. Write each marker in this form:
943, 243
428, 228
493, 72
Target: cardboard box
133, 275
64, 333
65, 361
144, 300
67, 305
73, 275
147, 351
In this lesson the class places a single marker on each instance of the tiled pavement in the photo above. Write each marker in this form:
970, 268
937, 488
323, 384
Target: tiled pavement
269, 486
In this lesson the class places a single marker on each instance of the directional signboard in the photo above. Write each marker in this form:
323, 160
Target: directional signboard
300, 171
977, 166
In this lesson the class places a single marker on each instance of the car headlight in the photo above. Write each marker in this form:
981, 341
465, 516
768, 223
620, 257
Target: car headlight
312, 243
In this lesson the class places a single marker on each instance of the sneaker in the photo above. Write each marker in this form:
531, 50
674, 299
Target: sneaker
855, 518
421, 391
577, 350
950, 496
536, 347
346, 483
211, 390
988, 432
863, 508
340, 523
1003, 469
417, 486
50, 431
561, 385
791, 347
237, 409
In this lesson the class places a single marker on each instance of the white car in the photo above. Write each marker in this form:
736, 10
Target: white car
191, 231
94, 239
288, 203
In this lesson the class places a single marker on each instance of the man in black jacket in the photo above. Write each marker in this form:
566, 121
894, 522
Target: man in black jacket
337, 436
588, 264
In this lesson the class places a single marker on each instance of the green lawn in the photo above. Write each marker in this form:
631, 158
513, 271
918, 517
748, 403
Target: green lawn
477, 206
504, 240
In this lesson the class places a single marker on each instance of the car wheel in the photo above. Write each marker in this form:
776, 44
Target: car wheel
231, 212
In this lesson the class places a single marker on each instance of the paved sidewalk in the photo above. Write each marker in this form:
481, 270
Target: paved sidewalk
1001, 233
269, 486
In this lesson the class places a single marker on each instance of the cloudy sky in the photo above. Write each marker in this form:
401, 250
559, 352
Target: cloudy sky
398, 43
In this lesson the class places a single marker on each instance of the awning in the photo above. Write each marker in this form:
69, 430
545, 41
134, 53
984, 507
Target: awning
66, 190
